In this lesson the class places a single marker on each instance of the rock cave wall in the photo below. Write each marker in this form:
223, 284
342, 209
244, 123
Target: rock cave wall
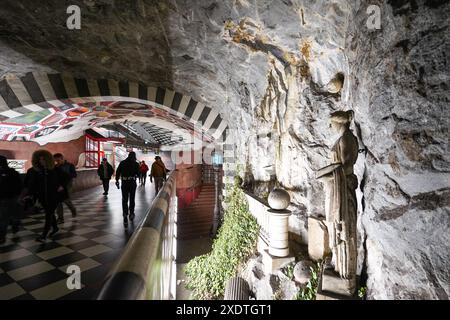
275, 69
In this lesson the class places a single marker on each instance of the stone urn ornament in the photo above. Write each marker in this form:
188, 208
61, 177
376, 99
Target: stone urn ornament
279, 199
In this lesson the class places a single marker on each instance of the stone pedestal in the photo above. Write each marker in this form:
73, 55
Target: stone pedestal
279, 232
333, 284
273, 263
318, 247
277, 254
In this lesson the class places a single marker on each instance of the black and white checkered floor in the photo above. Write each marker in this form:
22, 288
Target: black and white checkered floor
92, 241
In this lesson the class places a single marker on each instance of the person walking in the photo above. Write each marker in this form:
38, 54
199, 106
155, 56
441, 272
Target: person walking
143, 168
140, 174
158, 173
10, 189
69, 169
46, 183
105, 171
128, 171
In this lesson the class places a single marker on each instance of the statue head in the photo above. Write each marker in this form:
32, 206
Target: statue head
341, 119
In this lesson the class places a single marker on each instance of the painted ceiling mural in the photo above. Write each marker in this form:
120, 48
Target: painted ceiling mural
68, 122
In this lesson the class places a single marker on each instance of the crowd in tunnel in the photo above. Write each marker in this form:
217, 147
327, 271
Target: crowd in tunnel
154, 139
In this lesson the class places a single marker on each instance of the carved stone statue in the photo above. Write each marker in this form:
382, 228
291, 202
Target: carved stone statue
341, 206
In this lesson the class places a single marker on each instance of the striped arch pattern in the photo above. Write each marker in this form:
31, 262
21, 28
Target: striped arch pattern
36, 91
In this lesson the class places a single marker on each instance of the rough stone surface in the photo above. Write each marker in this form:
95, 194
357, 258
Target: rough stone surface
318, 243
302, 271
268, 286
399, 90
332, 282
275, 70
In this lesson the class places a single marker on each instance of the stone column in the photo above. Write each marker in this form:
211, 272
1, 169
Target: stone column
279, 232
278, 253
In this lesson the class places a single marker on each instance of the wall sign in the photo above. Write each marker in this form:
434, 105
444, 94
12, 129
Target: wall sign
18, 165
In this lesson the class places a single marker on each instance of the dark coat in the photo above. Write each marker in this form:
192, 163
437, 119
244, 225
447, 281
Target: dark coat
127, 168
101, 172
69, 169
10, 183
43, 184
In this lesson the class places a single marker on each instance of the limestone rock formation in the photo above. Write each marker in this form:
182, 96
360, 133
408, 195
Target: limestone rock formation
275, 70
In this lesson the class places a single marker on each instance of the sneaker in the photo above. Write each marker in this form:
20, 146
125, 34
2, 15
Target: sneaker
60, 221
125, 222
54, 231
105, 193
132, 216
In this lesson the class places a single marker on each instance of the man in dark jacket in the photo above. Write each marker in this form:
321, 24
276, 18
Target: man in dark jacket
158, 173
10, 189
128, 171
70, 171
105, 171
46, 183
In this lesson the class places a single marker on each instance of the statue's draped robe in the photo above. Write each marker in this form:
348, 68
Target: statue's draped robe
342, 211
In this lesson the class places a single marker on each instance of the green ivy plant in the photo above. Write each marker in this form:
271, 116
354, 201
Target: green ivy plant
362, 292
235, 243
278, 295
288, 271
310, 290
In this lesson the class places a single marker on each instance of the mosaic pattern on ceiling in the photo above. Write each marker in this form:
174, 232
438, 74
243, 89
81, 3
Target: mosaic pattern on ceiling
68, 120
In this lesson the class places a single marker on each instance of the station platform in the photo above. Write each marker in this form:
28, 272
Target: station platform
93, 240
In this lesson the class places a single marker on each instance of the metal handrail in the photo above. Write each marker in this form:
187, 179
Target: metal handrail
146, 269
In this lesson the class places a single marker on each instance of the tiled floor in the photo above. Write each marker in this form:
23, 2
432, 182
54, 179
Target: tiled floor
92, 241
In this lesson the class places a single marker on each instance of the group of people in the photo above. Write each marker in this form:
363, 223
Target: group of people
48, 185
128, 171
48, 182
